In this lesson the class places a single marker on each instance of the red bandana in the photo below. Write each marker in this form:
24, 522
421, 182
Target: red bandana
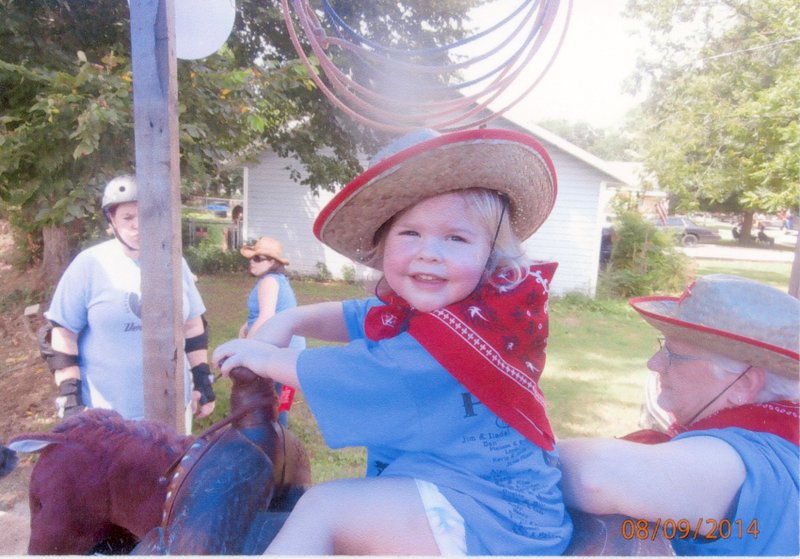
492, 342
779, 418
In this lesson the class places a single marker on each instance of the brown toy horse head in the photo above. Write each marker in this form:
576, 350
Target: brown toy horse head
100, 476
96, 472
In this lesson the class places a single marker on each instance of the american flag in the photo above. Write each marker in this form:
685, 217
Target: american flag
662, 208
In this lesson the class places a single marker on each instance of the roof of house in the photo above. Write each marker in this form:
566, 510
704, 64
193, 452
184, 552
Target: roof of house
616, 173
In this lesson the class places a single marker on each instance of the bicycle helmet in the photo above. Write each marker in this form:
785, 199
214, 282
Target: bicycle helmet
118, 191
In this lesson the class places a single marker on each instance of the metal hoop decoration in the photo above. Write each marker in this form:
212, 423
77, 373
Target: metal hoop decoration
450, 107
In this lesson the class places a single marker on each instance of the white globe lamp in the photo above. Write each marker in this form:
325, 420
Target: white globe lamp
202, 26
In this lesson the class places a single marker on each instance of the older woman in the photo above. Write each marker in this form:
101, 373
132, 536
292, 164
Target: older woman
724, 480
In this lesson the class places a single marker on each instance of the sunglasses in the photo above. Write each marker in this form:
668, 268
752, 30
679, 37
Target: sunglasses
258, 259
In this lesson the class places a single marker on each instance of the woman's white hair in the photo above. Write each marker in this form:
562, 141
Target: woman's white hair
776, 387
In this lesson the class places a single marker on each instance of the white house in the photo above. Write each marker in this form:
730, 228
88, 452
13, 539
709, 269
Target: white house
275, 205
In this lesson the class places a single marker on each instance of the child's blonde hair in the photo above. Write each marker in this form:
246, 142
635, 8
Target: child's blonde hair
507, 253
490, 207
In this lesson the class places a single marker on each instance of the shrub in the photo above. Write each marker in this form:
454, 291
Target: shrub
209, 258
644, 260
349, 273
323, 273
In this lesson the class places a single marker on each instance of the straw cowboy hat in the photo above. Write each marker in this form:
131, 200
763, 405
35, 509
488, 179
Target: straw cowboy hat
424, 164
265, 246
732, 316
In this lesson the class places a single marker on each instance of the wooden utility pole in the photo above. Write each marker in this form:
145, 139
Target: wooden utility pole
155, 101
794, 278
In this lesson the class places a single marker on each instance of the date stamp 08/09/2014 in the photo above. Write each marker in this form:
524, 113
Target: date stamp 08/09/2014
681, 529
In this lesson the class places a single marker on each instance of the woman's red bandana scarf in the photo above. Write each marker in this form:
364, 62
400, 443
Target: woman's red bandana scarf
493, 342
780, 418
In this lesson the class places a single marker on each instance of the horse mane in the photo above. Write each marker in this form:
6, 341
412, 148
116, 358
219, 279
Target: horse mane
107, 428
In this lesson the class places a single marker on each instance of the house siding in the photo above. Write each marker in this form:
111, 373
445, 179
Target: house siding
280, 208
571, 235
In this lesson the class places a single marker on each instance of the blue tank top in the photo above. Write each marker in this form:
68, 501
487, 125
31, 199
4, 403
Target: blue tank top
286, 300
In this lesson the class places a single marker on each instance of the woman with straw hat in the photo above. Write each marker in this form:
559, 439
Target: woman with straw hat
439, 374
272, 294
724, 479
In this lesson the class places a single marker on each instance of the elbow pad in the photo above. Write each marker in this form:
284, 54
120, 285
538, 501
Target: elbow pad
55, 359
199, 341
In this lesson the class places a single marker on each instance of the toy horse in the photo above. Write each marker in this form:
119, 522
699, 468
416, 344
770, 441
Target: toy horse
101, 477
226, 499
227, 492
96, 473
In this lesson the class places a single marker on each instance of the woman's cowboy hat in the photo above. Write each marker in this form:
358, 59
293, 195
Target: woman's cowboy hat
733, 316
265, 246
424, 164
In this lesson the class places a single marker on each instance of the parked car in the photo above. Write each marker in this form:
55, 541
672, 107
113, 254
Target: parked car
688, 231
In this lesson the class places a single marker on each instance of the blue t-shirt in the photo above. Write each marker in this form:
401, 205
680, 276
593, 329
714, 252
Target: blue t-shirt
286, 300
418, 421
99, 298
765, 518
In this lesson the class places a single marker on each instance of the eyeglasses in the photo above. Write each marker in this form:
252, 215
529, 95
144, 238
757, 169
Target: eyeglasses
672, 356
258, 258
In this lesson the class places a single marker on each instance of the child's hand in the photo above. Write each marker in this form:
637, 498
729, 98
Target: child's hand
243, 353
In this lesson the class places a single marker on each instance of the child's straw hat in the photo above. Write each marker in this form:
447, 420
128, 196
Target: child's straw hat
424, 164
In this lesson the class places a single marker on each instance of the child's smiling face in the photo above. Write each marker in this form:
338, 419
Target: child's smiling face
435, 252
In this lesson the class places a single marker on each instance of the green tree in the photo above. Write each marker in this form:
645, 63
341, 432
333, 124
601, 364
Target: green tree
720, 125
606, 143
644, 260
66, 106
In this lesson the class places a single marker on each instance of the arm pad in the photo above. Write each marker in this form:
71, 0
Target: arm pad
199, 341
55, 359
202, 379
70, 400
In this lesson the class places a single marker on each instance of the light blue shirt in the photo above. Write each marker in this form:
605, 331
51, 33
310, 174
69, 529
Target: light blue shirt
418, 421
286, 300
765, 518
99, 297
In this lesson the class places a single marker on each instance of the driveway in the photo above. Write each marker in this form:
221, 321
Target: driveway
752, 254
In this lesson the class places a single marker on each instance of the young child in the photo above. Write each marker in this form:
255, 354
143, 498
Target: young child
439, 376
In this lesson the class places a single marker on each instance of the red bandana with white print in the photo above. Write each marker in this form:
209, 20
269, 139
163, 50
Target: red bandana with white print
780, 418
493, 342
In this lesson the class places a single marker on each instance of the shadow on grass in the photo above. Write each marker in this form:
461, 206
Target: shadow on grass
586, 408
596, 368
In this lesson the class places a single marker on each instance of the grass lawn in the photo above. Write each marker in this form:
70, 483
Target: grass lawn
775, 274
596, 359
225, 296
595, 374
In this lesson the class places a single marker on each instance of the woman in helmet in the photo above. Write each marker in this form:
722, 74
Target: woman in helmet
96, 340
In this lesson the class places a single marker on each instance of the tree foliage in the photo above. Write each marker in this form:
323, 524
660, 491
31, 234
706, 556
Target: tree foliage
644, 260
606, 143
66, 116
721, 123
